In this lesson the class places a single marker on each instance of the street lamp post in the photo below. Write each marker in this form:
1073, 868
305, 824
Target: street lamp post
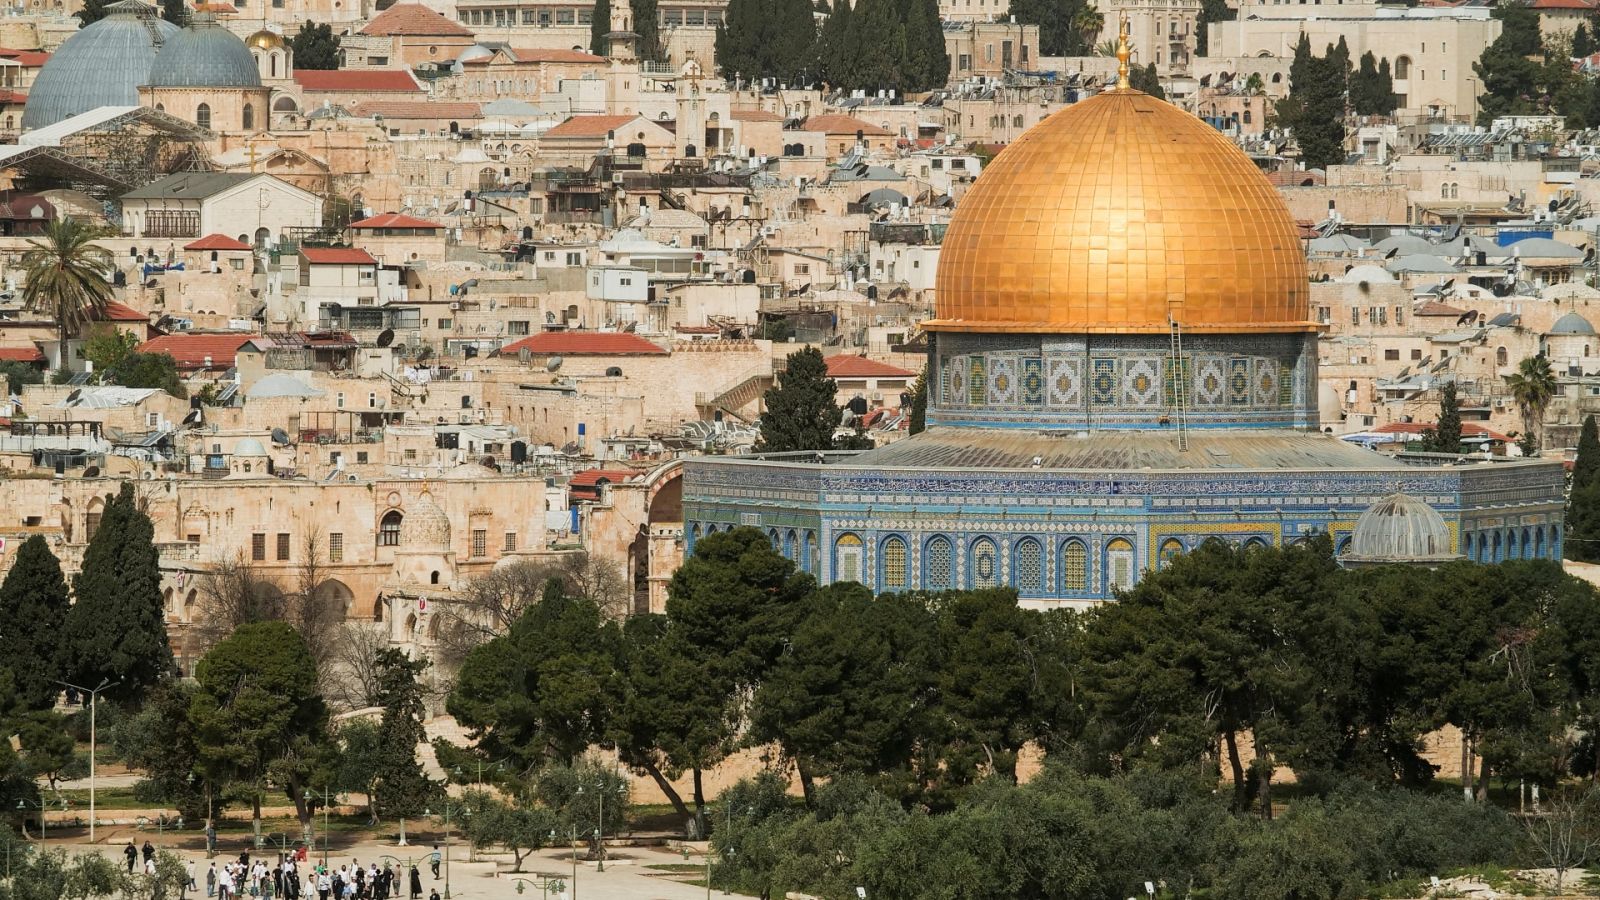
327, 801
41, 806
94, 695
465, 811
600, 831
545, 883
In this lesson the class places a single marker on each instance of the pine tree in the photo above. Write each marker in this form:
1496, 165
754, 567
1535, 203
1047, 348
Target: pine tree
801, 411
1314, 110
1447, 435
1507, 69
647, 25
33, 604
1210, 11
599, 45
92, 12
1583, 499
117, 628
315, 47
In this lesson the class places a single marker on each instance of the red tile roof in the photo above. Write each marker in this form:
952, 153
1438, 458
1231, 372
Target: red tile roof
21, 354
28, 58
9, 96
1584, 5
217, 242
190, 351
557, 55
417, 109
847, 365
394, 220
1468, 429
589, 126
754, 115
121, 312
584, 343
841, 124
357, 80
414, 19
337, 256
593, 477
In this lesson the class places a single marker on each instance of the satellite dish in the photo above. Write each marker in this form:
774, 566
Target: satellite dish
73, 397
91, 472
193, 418
386, 337
553, 364
279, 436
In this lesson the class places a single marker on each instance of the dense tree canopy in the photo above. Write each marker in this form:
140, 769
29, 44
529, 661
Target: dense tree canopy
315, 46
801, 411
1372, 88
1315, 107
33, 604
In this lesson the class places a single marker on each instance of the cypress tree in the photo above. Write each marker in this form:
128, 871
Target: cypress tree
1507, 69
1583, 500
117, 629
1210, 11
1315, 107
33, 604
1447, 435
833, 45
927, 65
1146, 79
801, 411
919, 403
1582, 42
879, 67
92, 12
794, 45
739, 48
599, 27
647, 25
176, 12
404, 788
315, 46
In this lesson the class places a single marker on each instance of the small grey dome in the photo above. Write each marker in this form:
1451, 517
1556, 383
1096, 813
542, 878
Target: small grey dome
249, 447
1572, 323
102, 65
204, 55
1400, 529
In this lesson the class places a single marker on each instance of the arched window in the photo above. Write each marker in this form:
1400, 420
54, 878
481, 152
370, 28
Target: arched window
813, 562
248, 117
847, 558
985, 565
1494, 555
614, 372
894, 564
389, 529
1074, 567
937, 573
1444, 191
1028, 566
1119, 564
1171, 549
1500, 356
202, 115
774, 540
791, 545
1402, 68
1256, 543
1538, 543
433, 577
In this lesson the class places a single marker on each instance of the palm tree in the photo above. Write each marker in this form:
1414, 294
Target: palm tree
1532, 386
1088, 22
68, 277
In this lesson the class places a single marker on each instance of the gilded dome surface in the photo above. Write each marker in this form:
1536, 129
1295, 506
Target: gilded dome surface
265, 40
1114, 214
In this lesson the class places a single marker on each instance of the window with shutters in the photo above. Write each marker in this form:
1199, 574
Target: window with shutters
480, 543
336, 546
258, 547
283, 546
511, 542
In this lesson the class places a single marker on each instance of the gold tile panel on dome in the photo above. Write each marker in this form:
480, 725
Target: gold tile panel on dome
1120, 214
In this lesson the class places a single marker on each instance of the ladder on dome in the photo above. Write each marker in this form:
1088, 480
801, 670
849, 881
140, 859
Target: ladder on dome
1180, 402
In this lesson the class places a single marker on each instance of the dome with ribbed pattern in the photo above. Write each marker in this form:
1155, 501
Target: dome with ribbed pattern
102, 65
204, 55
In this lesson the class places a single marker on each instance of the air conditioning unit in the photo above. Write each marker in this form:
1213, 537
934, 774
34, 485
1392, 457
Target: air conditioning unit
454, 304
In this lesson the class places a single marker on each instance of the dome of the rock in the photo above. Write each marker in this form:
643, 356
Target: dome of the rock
1113, 215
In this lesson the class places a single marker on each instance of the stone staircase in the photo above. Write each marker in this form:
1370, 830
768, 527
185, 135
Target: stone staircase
744, 391
444, 727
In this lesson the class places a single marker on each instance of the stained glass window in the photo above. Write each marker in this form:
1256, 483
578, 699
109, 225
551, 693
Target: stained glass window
1030, 566
977, 384
848, 567
939, 559
985, 565
1074, 567
894, 564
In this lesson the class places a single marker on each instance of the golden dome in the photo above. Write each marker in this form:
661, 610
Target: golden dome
1113, 214
264, 40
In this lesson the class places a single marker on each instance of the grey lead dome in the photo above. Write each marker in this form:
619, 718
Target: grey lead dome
102, 65
1400, 529
204, 55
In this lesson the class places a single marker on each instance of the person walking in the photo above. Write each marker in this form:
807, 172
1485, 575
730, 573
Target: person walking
149, 851
211, 881
416, 883
188, 873
132, 854
433, 860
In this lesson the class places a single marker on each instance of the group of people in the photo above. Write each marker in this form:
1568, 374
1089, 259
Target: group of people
292, 877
